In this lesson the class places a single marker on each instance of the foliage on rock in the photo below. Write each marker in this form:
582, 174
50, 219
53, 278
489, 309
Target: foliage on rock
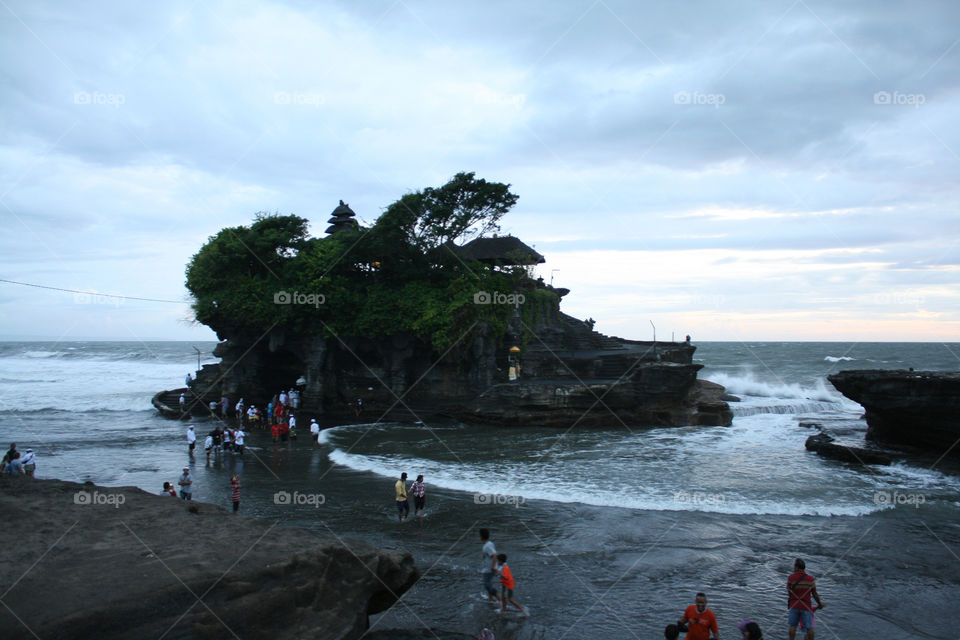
401, 275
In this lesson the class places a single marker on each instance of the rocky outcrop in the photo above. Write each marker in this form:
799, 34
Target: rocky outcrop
564, 367
83, 561
824, 445
915, 408
654, 394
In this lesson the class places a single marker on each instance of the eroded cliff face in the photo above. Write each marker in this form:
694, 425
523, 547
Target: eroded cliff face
567, 373
136, 565
917, 408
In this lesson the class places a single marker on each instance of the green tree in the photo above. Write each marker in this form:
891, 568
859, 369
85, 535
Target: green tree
462, 209
394, 277
234, 275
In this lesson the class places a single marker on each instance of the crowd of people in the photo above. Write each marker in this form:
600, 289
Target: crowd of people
15, 463
499, 584
224, 437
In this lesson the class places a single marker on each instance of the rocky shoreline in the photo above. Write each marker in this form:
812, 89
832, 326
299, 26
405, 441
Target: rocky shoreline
86, 561
914, 408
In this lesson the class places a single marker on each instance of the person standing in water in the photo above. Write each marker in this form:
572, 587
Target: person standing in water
403, 505
489, 567
419, 496
186, 484
235, 493
507, 584
800, 586
239, 437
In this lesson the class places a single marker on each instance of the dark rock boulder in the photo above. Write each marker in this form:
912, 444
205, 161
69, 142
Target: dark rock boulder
656, 394
916, 408
824, 445
122, 563
564, 368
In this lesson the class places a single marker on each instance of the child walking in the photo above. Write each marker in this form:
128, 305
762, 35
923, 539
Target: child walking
235, 496
506, 584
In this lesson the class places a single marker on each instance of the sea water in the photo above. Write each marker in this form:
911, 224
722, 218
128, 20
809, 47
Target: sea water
609, 530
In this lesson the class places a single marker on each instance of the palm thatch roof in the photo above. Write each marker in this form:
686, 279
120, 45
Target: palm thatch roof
500, 251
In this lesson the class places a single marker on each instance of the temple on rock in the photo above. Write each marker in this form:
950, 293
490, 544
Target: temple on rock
518, 361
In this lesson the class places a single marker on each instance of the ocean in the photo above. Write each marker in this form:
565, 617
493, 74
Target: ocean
609, 531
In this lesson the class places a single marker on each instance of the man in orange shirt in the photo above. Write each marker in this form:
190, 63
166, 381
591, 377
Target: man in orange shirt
700, 620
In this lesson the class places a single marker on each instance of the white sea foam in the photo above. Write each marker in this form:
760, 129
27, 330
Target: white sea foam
41, 354
838, 358
38, 380
756, 467
491, 481
748, 384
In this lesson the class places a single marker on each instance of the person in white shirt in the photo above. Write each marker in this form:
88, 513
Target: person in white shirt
283, 398
186, 482
238, 440
315, 431
29, 462
191, 439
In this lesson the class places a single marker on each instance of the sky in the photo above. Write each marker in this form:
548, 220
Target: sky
769, 170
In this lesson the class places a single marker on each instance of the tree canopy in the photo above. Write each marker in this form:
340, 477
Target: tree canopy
399, 275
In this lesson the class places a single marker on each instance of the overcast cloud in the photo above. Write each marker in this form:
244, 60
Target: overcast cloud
769, 170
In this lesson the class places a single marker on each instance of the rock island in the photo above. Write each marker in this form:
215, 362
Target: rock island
427, 312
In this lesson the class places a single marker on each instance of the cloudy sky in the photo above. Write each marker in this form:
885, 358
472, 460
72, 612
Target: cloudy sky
770, 170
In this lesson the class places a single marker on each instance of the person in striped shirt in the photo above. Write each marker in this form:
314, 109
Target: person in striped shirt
235, 495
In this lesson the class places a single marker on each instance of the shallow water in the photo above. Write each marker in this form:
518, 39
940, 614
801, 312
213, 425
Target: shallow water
608, 531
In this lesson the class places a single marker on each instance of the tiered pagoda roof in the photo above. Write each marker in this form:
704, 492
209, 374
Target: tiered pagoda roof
342, 219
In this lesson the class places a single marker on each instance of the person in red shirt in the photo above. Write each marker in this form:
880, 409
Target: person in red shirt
800, 586
700, 620
506, 584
